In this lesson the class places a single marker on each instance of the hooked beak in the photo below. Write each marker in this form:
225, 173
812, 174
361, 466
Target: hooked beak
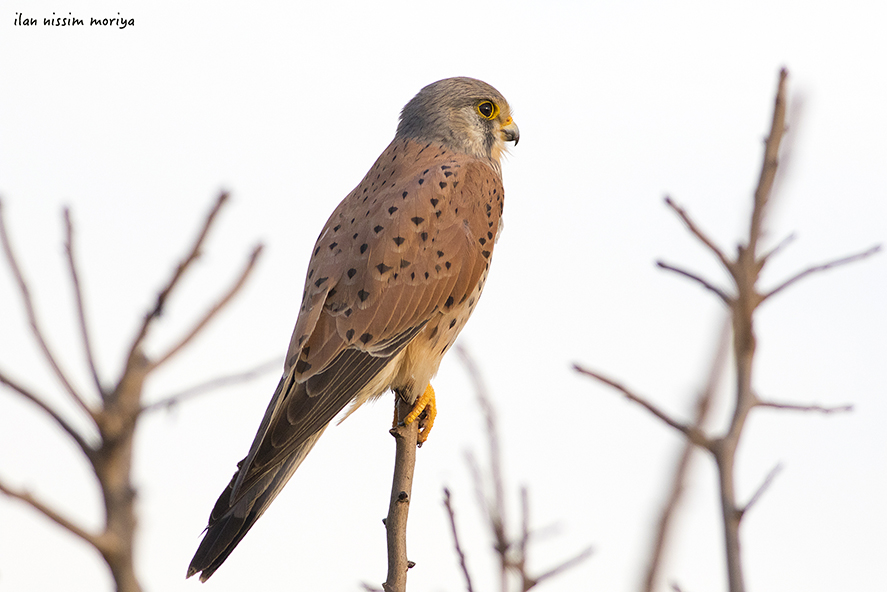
510, 131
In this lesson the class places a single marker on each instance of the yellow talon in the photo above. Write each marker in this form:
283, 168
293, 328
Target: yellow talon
427, 404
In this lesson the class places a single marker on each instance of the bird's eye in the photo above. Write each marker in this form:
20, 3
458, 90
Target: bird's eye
487, 109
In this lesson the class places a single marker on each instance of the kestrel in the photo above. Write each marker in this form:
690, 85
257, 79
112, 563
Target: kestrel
393, 277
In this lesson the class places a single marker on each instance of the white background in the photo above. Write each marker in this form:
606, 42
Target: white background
618, 104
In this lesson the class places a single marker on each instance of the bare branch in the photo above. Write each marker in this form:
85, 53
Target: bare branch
691, 432
52, 413
198, 327
817, 408
703, 405
180, 270
459, 552
406, 439
78, 294
708, 286
775, 250
697, 232
770, 163
30, 500
32, 319
568, 564
768, 480
823, 267
211, 385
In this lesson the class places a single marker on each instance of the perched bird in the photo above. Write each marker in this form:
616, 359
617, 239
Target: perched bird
393, 277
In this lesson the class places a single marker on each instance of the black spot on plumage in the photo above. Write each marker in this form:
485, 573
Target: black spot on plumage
424, 236
444, 167
366, 338
348, 312
392, 209
302, 340
337, 227
383, 268
405, 193
448, 174
363, 248
440, 254
434, 201
448, 264
413, 275
320, 281
317, 250
433, 333
351, 272
405, 263
482, 240
449, 302
486, 254
443, 184
349, 334
302, 366
490, 235
378, 228
333, 246
437, 213
452, 323
421, 181
426, 275
417, 220
363, 295
398, 240
310, 273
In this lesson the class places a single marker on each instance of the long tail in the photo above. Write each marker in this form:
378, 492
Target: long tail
228, 524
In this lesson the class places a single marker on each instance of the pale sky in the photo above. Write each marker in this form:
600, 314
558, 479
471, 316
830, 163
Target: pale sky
619, 104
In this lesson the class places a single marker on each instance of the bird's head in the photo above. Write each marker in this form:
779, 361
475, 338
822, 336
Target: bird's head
464, 114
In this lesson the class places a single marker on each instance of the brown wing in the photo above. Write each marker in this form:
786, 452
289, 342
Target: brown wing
413, 238
411, 241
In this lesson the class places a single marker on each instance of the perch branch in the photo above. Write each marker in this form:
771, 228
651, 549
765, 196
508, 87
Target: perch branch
816, 408
406, 441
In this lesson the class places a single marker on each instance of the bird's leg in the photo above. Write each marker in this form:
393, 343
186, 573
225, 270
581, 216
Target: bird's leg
425, 410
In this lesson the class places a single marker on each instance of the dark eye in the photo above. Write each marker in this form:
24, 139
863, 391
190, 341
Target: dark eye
487, 109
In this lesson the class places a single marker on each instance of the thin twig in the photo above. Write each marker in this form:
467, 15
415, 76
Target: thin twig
211, 385
705, 283
462, 563
694, 435
703, 405
212, 311
817, 268
797, 407
32, 320
770, 163
78, 295
762, 260
569, 563
697, 232
768, 480
65, 523
88, 450
180, 270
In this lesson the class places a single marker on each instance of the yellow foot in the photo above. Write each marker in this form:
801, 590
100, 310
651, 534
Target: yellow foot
424, 409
